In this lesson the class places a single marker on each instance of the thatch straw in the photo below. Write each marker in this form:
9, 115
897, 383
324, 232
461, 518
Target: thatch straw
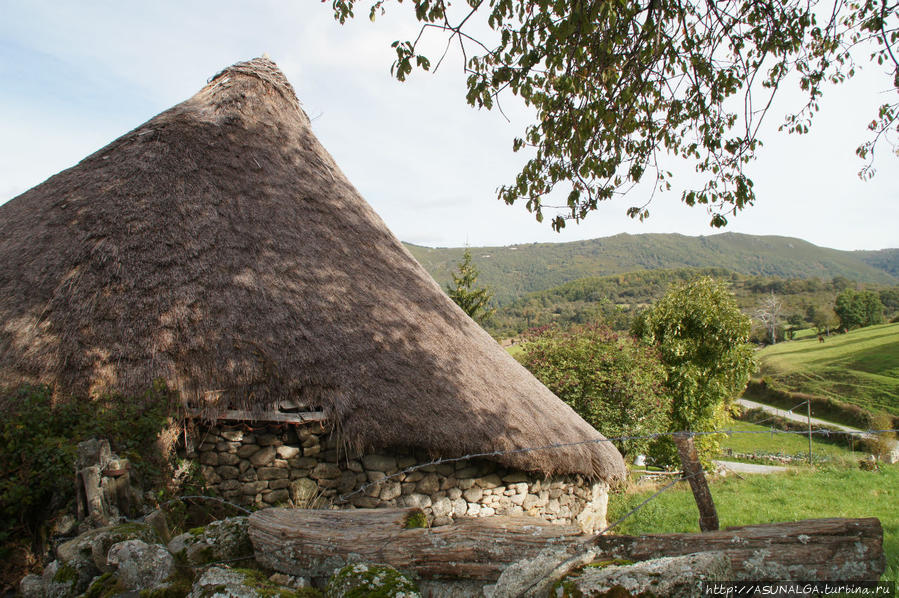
220, 248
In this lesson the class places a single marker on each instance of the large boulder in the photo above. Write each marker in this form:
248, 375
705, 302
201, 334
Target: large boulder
141, 566
219, 541
95, 544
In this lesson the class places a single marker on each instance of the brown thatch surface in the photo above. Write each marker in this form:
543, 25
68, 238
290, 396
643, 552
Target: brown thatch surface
220, 248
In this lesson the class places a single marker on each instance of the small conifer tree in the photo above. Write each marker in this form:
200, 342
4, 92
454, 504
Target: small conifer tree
474, 300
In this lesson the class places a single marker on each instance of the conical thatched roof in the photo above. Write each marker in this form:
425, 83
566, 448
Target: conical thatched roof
220, 248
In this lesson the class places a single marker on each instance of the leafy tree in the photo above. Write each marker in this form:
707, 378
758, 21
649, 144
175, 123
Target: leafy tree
890, 299
615, 384
857, 309
615, 85
474, 300
821, 317
702, 337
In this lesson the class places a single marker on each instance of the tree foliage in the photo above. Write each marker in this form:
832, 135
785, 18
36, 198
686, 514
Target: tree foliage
615, 384
857, 309
618, 85
702, 337
474, 300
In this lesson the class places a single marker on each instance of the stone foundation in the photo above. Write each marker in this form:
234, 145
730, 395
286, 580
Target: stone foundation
303, 466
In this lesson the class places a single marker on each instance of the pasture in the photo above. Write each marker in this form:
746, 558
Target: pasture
860, 367
806, 493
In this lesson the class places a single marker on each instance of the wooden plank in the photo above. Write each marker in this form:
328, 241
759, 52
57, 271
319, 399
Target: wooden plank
268, 416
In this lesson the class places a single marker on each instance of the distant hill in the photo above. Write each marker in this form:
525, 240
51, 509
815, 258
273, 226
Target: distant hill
885, 259
515, 270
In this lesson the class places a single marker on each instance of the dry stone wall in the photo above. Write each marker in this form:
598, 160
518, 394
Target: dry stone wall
305, 466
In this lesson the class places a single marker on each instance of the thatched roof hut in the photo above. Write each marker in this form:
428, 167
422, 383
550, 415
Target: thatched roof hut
220, 248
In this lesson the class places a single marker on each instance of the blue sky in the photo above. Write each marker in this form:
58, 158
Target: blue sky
77, 75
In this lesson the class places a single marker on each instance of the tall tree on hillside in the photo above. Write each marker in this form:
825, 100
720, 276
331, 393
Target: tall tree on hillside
474, 300
616, 87
702, 337
768, 313
857, 309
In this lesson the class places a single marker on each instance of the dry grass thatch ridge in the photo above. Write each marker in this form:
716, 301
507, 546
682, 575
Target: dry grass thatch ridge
220, 248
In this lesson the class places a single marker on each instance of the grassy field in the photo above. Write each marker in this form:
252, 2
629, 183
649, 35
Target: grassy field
861, 367
804, 494
784, 444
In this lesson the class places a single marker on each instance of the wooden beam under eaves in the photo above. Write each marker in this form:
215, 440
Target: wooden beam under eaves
266, 416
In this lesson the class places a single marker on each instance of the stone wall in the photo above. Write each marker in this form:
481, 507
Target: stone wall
305, 467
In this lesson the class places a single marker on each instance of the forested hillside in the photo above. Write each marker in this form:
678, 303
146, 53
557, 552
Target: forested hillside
885, 259
515, 270
614, 299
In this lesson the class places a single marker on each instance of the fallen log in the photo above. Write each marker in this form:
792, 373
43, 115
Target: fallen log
813, 549
313, 543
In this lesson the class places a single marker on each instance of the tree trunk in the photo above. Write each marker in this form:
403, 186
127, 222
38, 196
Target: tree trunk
313, 543
708, 516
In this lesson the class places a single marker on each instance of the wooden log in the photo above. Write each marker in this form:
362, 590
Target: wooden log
313, 543
813, 549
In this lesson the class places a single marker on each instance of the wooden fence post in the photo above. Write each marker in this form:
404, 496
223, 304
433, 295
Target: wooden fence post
708, 516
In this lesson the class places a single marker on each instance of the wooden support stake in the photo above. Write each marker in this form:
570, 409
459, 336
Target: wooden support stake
708, 516
808, 405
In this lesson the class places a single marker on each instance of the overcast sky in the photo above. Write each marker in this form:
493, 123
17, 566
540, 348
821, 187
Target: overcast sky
76, 75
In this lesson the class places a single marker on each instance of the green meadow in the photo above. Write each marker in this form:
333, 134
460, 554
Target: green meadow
762, 441
860, 367
806, 493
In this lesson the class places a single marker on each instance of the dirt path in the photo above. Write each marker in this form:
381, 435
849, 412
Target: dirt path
893, 457
796, 417
736, 467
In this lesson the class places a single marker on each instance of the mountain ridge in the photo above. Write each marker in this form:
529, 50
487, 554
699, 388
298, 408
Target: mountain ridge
514, 270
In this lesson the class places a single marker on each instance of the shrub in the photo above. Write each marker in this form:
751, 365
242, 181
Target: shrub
615, 384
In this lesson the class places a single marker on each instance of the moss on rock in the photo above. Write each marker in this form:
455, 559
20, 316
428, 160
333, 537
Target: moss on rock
104, 586
361, 580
